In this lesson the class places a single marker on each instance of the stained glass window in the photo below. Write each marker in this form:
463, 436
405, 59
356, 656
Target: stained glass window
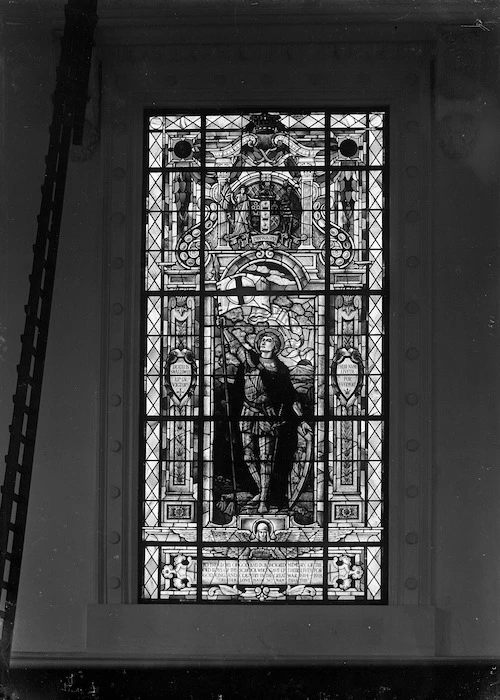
264, 414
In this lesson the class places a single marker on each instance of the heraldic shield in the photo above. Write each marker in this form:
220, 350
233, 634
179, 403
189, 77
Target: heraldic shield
347, 375
180, 375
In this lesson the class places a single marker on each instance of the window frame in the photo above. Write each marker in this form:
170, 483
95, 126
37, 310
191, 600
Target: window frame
200, 293
401, 84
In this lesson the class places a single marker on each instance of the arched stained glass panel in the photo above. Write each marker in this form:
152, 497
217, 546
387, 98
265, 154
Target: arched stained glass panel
264, 355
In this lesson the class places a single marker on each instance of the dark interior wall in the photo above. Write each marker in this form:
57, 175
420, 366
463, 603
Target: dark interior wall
57, 580
466, 381
59, 576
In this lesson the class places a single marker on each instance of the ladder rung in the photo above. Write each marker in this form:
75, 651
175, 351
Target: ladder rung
32, 352
39, 218
10, 494
23, 337
24, 439
18, 401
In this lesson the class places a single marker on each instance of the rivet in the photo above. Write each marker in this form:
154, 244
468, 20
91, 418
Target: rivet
412, 445
117, 218
412, 399
114, 582
412, 307
412, 491
115, 492
116, 354
118, 173
116, 400
117, 309
116, 446
412, 261
412, 217
412, 171
219, 80
411, 538
412, 353
412, 127
117, 263
411, 583
171, 80
114, 537
412, 79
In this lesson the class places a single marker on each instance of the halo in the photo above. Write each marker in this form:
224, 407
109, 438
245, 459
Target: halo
274, 332
269, 524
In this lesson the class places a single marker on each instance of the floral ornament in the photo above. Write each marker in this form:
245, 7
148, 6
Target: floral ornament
181, 583
344, 559
345, 584
176, 572
348, 573
223, 590
356, 572
262, 593
182, 560
168, 571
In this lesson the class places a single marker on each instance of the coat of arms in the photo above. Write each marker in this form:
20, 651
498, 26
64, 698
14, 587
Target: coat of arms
180, 375
347, 375
265, 214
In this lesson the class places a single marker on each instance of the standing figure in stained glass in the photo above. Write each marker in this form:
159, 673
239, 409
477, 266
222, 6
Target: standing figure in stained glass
270, 421
241, 224
291, 236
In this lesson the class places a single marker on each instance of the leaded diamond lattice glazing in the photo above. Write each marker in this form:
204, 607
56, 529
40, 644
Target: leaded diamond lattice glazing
264, 358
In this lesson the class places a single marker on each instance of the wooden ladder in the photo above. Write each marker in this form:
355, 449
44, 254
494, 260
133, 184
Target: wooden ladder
69, 101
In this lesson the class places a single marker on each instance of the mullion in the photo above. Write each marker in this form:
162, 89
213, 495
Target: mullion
326, 429
162, 305
144, 342
270, 169
313, 293
385, 361
318, 418
201, 402
367, 334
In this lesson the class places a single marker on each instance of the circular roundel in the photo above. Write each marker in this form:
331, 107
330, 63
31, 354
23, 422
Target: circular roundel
348, 148
188, 251
336, 249
183, 149
341, 248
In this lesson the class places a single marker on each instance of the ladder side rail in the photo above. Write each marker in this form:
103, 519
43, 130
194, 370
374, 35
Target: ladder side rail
69, 99
17, 524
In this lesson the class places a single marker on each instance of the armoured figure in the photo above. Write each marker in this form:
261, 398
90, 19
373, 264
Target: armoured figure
270, 413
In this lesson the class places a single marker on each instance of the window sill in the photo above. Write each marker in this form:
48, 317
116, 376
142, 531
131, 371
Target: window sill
212, 634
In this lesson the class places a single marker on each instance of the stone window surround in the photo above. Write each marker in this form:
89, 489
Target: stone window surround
393, 76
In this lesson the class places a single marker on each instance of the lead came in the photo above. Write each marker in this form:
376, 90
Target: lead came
264, 379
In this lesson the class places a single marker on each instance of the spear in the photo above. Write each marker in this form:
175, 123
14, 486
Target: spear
220, 323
